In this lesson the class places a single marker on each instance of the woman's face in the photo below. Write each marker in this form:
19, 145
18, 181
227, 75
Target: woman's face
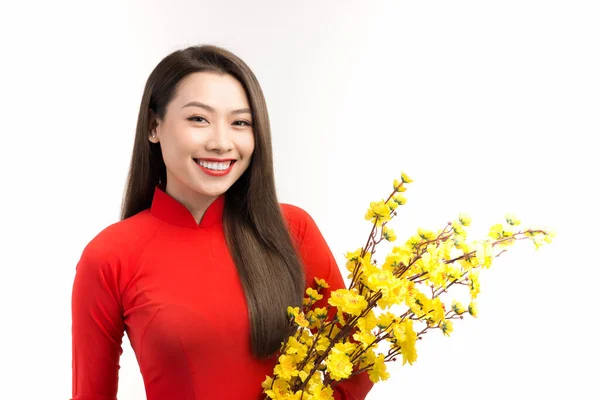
208, 120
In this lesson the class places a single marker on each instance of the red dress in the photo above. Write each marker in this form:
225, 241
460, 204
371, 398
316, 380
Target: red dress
171, 284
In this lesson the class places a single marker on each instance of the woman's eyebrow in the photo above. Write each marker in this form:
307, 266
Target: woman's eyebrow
211, 109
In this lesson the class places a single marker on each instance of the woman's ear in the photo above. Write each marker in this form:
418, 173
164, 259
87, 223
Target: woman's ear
153, 128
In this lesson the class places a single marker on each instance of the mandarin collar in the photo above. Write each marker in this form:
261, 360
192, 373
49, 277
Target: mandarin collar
168, 209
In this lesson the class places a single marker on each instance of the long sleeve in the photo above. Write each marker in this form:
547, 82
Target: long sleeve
97, 326
320, 261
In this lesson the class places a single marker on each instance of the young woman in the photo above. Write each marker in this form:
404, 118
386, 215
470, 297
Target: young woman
205, 260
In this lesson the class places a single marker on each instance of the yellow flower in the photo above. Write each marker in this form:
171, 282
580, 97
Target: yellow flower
392, 204
345, 347
484, 254
418, 302
321, 313
474, 284
365, 338
399, 199
303, 375
340, 317
446, 249
306, 337
405, 178
397, 184
538, 240
286, 368
321, 283
458, 229
473, 309
426, 234
298, 316
321, 393
313, 321
292, 311
378, 213
388, 234
405, 338
385, 319
266, 384
338, 365
382, 279
437, 311
281, 390
457, 307
301, 320
296, 349
322, 344
496, 231
348, 301
464, 219
379, 370
313, 294
368, 322
366, 358
511, 219
446, 327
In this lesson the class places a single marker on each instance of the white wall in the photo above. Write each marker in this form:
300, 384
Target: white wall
489, 106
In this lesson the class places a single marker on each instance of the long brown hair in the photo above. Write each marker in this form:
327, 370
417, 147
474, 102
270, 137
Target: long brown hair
264, 253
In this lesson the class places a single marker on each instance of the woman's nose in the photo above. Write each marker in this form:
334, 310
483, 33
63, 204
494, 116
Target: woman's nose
219, 137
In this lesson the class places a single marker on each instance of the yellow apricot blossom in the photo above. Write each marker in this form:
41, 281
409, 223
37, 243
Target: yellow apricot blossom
286, 368
280, 390
338, 365
296, 349
384, 320
368, 322
321, 283
484, 254
405, 178
512, 219
379, 370
457, 307
378, 213
446, 327
388, 234
348, 301
405, 338
366, 339
413, 276
345, 347
464, 219
473, 309
313, 294
474, 286
321, 393
399, 199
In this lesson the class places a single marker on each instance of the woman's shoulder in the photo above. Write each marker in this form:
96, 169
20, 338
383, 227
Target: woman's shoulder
123, 238
293, 212
299, 220
296, 216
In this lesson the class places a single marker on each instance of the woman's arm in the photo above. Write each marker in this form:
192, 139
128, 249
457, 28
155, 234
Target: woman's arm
97, 326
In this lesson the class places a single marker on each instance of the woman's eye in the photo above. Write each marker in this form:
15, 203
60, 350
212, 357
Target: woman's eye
195, 118
200, 119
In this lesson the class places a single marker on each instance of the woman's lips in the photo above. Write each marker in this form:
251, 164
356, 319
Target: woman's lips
213, 172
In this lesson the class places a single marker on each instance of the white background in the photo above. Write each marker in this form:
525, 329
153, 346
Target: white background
490, 107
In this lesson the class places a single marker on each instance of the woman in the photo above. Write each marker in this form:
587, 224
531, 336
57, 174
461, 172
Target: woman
201, 268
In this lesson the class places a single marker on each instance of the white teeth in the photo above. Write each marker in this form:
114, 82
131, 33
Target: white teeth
217, 166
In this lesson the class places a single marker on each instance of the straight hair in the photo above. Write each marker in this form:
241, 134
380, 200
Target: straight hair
257, 235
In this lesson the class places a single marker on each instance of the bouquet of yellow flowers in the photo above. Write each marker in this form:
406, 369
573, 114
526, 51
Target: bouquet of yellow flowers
322, 351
